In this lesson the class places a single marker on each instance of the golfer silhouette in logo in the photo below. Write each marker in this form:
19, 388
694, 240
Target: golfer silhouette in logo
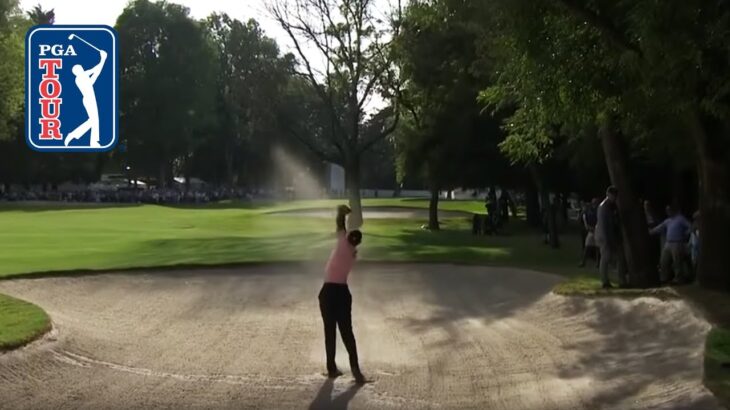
85, 80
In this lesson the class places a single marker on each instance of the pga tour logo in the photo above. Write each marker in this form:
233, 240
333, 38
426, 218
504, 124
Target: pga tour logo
72, 75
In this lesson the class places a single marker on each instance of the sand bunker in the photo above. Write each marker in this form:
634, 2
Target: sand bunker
432, 336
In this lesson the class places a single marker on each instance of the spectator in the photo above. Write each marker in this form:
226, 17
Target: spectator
504, 205
583, 231
655, 244
694, 241
589, 219
608, 238
491, 205
676, 228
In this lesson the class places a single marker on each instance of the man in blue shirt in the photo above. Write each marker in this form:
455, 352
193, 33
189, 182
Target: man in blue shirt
676, 230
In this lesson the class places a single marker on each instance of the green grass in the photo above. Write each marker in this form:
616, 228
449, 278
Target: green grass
45, 239
20, 322
590, 286
717, 363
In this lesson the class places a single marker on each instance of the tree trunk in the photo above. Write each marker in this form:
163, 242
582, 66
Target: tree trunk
553, 224
713, 268
230, 177
633, 223
433, 211
352, 177
548, 210
162, 175
532, 206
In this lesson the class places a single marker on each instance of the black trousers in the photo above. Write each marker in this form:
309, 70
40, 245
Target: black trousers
335, 304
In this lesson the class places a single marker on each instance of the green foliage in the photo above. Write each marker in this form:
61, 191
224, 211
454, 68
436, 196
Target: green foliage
12, 34
568, 65
550, 67
250, 81
39, 16
168, 78
446, 140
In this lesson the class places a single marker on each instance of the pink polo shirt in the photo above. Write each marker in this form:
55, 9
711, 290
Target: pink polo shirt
341, 260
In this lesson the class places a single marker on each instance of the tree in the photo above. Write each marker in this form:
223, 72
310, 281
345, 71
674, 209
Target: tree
168, 78
445, 139
625, 72
40, 16
12, 29
563, 86
681, 51
379, 170
250, 80
347, 35
12, 33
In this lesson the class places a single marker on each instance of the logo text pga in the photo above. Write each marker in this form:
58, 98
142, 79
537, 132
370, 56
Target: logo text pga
72, 77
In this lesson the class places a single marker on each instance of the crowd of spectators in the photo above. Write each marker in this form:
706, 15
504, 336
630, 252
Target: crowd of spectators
146, 196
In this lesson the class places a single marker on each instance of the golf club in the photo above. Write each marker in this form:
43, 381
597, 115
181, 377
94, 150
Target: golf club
72, 36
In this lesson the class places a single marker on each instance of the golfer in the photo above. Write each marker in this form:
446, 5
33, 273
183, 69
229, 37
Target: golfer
85, 80
335, 300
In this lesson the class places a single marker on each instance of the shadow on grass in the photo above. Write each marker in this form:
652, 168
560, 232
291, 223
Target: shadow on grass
227, 204
717, 364
456, 244
590, 286
165, 255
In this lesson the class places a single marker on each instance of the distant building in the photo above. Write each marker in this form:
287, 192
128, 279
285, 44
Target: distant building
335, 179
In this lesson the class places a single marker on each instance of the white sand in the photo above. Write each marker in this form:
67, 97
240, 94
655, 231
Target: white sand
432, 336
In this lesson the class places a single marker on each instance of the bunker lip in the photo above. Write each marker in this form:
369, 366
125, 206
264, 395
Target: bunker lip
432, 336
374, 212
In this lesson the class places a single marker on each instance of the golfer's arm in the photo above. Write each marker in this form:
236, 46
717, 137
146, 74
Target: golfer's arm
340, 221
657, 229
96, 71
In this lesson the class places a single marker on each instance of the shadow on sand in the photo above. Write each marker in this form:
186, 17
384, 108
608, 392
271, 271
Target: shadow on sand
325, 400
